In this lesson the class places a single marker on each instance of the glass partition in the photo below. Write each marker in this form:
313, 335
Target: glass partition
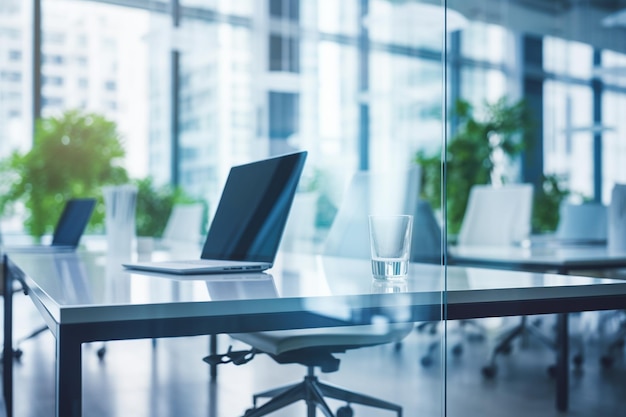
490, 121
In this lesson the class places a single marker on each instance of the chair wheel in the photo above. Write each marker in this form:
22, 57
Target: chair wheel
397, 347
551, 371
101, 352
345, 411
606, 361
505, 349
457, 350
17, 354
578, 360
489, 371
476, 337
426, 361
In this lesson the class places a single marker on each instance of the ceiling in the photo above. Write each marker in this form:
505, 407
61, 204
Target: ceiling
578, 20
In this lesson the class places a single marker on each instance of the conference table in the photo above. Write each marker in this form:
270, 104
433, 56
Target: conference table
547, 256
86, 296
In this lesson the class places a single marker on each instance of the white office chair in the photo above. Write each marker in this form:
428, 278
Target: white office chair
348, 237
184, 224
500, 216
583, 223
497, 216
370, 193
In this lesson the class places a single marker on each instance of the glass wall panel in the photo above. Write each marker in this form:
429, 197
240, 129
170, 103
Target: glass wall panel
568, 58
568, 136
485, 42
95, 59
614, 147
15, 76
414, 24
405, 105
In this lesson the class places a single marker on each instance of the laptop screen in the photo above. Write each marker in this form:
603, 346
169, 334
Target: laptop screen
73, 221
252, 212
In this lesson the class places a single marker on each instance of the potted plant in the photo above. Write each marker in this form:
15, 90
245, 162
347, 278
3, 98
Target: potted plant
73, 155
154, 206
471, 154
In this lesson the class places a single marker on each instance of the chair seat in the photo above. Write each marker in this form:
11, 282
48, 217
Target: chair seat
282, 341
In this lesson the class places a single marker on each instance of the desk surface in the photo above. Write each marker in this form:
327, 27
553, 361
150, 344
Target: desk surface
543, 257
85, 297
75, 288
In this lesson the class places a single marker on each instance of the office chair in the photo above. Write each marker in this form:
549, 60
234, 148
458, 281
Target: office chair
314, 348
585, 223
67, 233
348, 238
497, 216
582, 224
184, 225
500, 216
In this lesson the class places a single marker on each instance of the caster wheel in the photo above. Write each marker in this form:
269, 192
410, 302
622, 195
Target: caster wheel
17, 354
551, 371
606, 361
505, 350
476, 337
578, 360
457, 350
345, 411
101, 352
397, 347
426, 361
489, 371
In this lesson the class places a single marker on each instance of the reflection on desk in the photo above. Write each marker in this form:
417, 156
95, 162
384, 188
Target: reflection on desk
87, 297
540, 258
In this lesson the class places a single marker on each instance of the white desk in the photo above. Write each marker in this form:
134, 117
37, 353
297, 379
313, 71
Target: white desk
86, 297
547, 257
561, 259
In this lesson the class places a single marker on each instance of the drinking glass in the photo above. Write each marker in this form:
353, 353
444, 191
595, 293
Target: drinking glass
390, 241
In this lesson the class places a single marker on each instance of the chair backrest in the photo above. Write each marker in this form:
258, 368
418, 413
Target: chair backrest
587, 221
185, 223
497, 215
377, 193
616, 236
426, 242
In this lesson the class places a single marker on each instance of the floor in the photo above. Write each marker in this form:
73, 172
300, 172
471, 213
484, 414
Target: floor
137, 379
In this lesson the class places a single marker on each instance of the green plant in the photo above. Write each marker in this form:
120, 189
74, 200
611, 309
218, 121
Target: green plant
73, 155
470, 157
547, 203
154, 206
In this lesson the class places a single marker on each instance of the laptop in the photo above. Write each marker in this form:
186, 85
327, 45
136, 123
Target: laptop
248, 223
68, 230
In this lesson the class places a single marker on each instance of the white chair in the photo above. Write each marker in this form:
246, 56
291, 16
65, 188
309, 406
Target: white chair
376, 193
497, 216
583, 223
348, 237
184, 227
500, 216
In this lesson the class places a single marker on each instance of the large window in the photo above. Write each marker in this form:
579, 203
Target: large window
15, 77
95, 59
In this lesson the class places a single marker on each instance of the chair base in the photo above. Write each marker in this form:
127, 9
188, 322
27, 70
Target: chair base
504, 345
312, 391
616, 346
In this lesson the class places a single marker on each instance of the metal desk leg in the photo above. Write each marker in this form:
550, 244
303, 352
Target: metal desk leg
562, 362
68, 374
7, 352
213, 351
